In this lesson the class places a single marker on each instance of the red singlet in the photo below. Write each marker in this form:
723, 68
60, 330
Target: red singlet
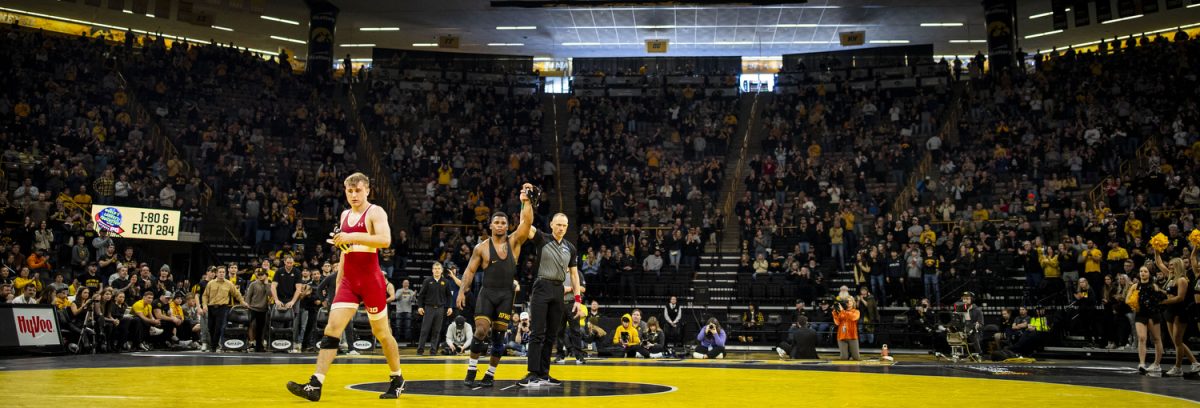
362, 280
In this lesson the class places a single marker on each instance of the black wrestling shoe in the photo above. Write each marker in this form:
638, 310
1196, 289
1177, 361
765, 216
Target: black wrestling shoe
550, 381
530, 380
395, 388
310, 391
486, 382
470, 381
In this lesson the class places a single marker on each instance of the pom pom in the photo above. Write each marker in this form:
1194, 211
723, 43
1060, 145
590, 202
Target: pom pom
1159, 242
1194, 238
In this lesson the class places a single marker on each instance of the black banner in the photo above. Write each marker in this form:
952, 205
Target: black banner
1059, 8
1149, 6
322, 22
1083, 14
1103, 10
1000, 16
1126, 8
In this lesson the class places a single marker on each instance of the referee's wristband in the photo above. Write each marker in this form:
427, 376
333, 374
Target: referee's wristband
578, 299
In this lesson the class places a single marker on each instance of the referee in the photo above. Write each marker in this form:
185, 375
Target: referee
556, 259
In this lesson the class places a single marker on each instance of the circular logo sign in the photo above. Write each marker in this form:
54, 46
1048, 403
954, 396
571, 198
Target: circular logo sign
362, 345
109, 219
281, 344
234, 344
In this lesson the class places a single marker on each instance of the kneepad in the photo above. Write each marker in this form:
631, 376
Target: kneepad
478, 347
328, 343
498, 344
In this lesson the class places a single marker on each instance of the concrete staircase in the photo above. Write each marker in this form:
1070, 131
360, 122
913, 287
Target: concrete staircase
746, 144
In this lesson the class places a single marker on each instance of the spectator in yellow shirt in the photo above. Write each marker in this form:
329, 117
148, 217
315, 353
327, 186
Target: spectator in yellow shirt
481, 211
1116, 257
626, 336
980, 214
928, 237
653, 157
60, 299
1133, 228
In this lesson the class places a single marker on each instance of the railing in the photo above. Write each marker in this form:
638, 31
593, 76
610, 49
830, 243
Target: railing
367, 148
948, 131
727, 208
557, 151
1095, 195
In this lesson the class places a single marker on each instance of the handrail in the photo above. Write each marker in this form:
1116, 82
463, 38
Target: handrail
727, 209
369, 150
1126, 168
903, 200
557, 150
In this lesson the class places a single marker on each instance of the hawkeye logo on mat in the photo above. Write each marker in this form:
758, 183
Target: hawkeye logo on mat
36, 326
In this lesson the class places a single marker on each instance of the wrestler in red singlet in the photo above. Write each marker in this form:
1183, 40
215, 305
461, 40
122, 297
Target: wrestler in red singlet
362, 280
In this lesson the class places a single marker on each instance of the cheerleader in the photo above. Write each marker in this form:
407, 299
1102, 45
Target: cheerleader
1147, 318
1180, 296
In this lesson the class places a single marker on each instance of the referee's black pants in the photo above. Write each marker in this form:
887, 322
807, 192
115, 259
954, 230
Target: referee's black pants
546, 308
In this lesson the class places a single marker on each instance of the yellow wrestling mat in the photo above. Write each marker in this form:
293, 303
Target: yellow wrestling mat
262, 385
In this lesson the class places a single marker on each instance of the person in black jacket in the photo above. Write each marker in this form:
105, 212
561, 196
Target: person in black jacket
801, 342
431, 299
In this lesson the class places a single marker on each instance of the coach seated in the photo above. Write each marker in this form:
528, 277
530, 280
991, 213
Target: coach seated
458, 337
801, 342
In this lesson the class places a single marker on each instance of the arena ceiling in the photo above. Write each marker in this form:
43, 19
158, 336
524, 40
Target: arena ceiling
954, 27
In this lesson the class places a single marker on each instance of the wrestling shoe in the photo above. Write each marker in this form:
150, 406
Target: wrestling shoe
486, 382
469, 382
550, 381
310, 391
530, 380
394, 388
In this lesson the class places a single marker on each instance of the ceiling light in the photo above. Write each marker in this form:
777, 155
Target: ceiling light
1043, 34
889, 41
506, 44
291, 40
149, 15
517, 28
280, 20
941, 24
424, 45
1046, 14
379, 29
1193, 5
222, 28
1122, 19
127, 11
360, 60
967, 41
358, 45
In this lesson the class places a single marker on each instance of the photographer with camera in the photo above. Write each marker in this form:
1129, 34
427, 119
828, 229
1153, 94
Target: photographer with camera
845, 317
626, 336
518, 336
712, 341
